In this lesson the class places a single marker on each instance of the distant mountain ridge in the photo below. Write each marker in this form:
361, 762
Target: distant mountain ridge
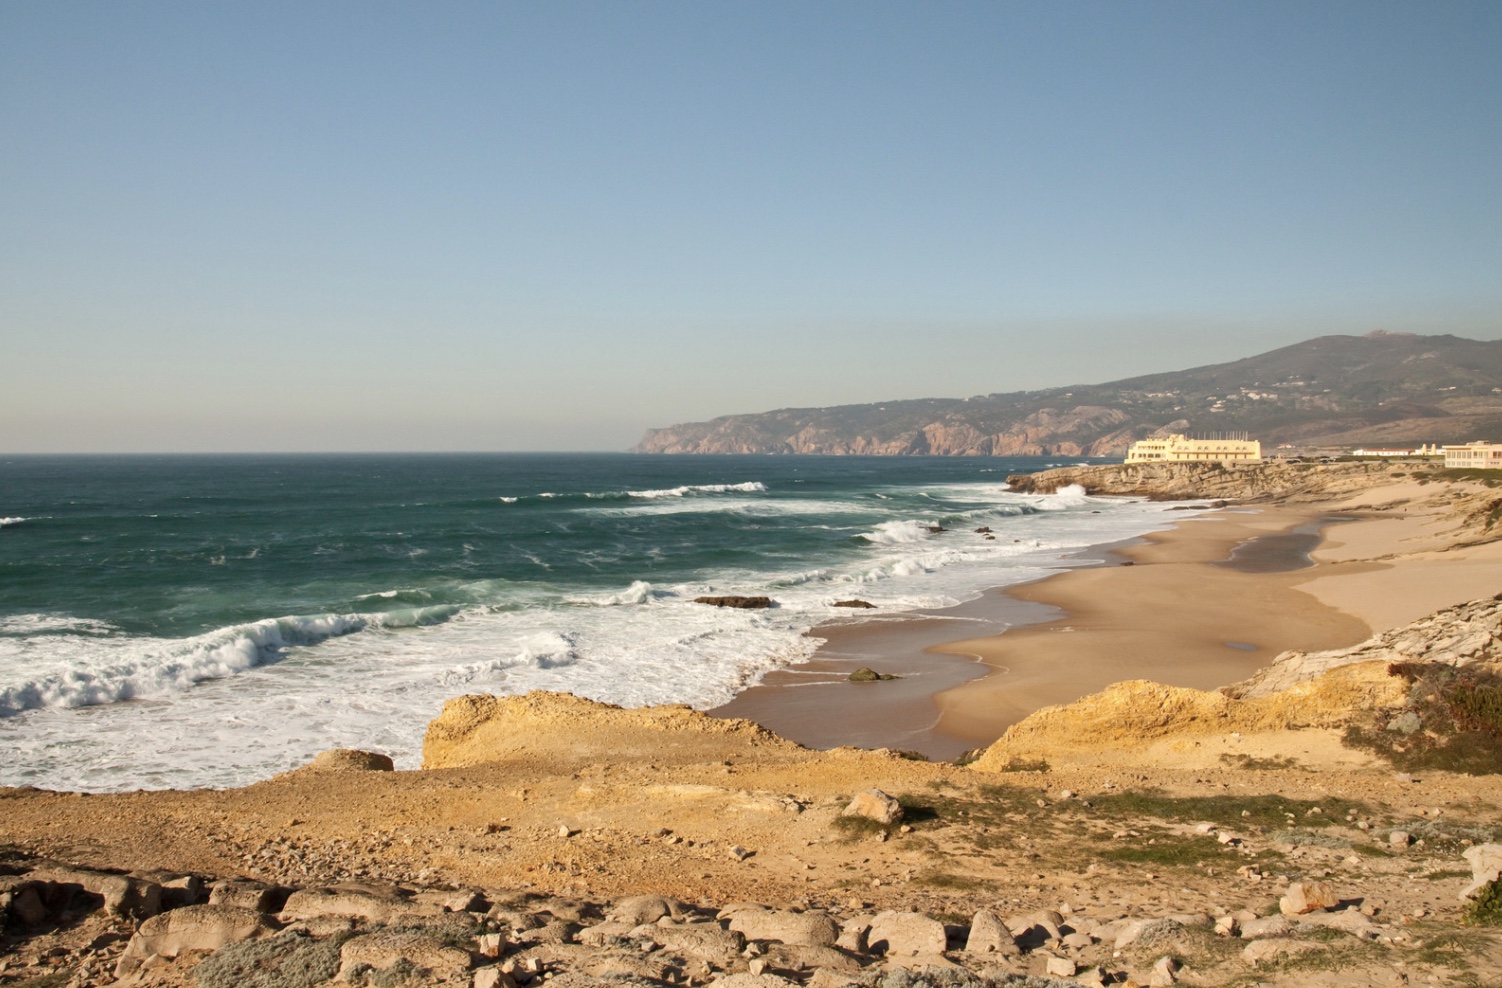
1389, 388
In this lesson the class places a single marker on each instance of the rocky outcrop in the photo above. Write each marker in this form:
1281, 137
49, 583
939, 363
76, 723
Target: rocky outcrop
475, 729
1456, 636
1126, 715
1274, 479
737, 602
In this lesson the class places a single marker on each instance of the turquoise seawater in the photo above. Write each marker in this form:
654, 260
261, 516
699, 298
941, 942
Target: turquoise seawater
199, 620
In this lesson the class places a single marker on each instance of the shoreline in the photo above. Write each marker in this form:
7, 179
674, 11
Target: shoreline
957, 693
1204, 603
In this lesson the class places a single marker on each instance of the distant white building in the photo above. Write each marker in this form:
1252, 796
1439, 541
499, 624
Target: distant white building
1181, 449
1474, 456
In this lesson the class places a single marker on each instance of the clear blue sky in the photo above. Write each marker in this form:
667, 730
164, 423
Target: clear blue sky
436, 225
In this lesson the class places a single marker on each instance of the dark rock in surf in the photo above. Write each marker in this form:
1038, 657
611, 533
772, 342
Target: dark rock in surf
854, 603
864, 675
752, 603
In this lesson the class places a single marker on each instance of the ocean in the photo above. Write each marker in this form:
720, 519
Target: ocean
207, 621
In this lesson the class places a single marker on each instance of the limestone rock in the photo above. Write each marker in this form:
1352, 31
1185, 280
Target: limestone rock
1262, 951
746, 979
1486, 865
492, 977
191, 928
814, 928
989, 935
1271, 926
477, 729
873, 804
898, 934
350, 760
246, 894
806, 957
385, 948
1307, 897
122, 895
639, 909
696, 941
1347, 921
354, 902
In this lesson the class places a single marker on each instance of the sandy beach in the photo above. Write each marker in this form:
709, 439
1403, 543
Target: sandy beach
1202, 604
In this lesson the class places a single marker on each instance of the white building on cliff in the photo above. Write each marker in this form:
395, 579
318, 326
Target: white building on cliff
1474, 456
1181, 449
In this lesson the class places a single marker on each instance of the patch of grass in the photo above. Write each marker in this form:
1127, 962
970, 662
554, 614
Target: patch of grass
1445, 874
1229, 811
1169, 851
1304, 838
855, 827
1447, 947
1460, 717
936, 878
1485, 909
1025, 765
1251, 763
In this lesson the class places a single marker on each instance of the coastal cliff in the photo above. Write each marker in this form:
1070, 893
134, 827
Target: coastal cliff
1390, 388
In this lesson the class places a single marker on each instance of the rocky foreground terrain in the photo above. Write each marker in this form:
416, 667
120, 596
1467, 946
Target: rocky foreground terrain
1332, 822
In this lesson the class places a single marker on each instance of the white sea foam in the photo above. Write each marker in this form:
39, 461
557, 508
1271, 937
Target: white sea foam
899, 532
750, 487
130, 668
244, 702
12, 521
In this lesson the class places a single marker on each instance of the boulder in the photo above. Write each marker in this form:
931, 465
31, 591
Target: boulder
1307, 897
192, 928
350, 760
857, 603
639, 909
989, 935
22, 903
1486, 865
813, 928
1261, 929
865, 675
386, 948
898, 934
1347, 921
492, 977
873, 804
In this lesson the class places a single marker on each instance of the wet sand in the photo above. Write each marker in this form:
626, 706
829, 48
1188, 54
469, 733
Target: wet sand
1203, 604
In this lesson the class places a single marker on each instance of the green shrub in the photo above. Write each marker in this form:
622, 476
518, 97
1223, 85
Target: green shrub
1461, 715
1486, 908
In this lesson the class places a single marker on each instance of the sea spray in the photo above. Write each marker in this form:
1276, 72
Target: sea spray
202, 621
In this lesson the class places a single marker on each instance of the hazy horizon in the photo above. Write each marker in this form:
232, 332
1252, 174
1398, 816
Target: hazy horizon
468, 227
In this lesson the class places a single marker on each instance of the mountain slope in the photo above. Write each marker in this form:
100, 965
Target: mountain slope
1378, 388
